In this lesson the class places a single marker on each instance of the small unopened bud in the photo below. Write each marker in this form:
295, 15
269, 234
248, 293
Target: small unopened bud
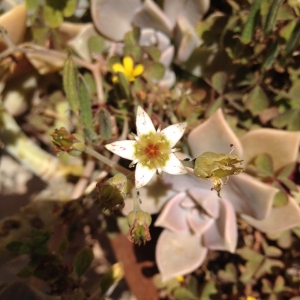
112, 193
139, 222
63, 141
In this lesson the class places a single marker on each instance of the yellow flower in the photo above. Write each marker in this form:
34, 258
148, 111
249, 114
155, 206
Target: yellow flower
250, 298
128, 69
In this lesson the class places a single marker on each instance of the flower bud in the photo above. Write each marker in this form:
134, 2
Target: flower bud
112, 193
139, 222
64, 141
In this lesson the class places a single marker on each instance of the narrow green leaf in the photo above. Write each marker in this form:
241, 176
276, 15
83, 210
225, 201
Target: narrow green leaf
83, 261
85, 104
248, 30
70, 83
105, 124
271, 16
293, 41
271, 56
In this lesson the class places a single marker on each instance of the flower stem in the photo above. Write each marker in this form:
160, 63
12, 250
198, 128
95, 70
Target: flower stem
107, 161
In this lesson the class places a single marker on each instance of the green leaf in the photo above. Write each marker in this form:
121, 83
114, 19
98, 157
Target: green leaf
229, 274
208, 290
96, 44
52, 16
219, 81
182, 293
83, 261
134, 51
271, 56
70, 83
271, 16
14, 246
123, 86
264, 164
32, 9
69, 9
280, 199
257, 101
293, 41
85, 104
248, 30
105, 124
214, 106
286, 31
153, 52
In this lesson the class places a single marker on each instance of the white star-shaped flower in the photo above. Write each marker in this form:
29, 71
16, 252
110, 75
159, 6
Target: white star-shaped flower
152, 151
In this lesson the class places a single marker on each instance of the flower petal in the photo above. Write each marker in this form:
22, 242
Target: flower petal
178, 253
142, 175
113, 18
124, 149
249, 196
174, 166
138, 70
117, 67
214, 135
222, 235
174, 133
144, 124
174, 216
281, 145
128, 64
281, 218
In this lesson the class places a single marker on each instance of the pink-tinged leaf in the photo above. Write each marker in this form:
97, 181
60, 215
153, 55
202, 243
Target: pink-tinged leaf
206, 199
199, 221
174, 216
249, 196
153, 196
178, 254
167, 56
186, 40
150, 15
279, 219
174, 166
174, 133
113, 18
214, 135
192, 10
281, 145
124, 149
144, 124
143, 175
222, 235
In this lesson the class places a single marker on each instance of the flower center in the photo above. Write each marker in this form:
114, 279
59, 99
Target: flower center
152, 150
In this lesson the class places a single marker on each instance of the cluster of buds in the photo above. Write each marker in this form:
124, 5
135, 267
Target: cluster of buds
139, 222
63, 141
215, 166
112, 193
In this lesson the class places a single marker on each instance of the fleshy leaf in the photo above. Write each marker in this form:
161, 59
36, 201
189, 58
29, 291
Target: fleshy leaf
215, 135
113, 17
273, 142
219, 81
169, 250
222, 235
280, 218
